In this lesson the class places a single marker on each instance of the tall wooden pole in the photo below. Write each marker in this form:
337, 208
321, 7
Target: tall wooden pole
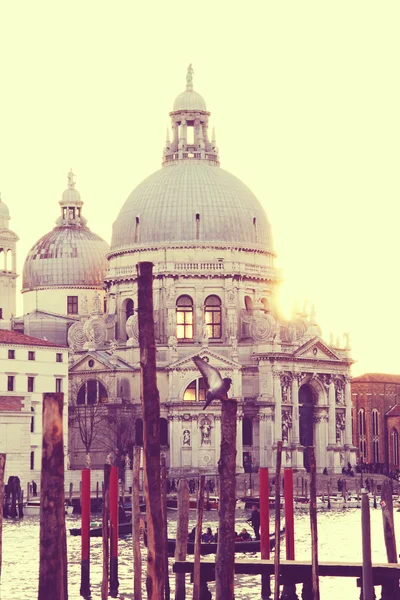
137, 557
391, 588
2, 470
277, 519
53, 544
367, 582
85, 534
167, 590
313, 523
105, 531
264, 522
114, 497
225, 559
289, 589
182, 535
197, 541
151, 435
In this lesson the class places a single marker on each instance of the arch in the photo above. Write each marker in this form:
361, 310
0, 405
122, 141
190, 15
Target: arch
212, 317
184, 317
9, 258
127, 310
248, 303
92, 392
163, 432
362, 441
395, 447
265, 304
306, 425
375, 435
375, 422
195, 391
139, 432
247, 431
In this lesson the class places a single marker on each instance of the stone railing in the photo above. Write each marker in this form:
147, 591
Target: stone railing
200, 267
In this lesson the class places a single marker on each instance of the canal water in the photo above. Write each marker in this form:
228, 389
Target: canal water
339, 540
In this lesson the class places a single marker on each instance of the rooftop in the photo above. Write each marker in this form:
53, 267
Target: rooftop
376, 378
20, 339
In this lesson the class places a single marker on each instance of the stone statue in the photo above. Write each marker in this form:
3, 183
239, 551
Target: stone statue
205, 335
84, 305
189, 76
186, 437
173, 342
127, 462
234, 344
70, 176
205, 429
97, 304
88, 461
113, 346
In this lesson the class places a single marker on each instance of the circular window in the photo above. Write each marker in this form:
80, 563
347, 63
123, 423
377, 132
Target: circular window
91, 363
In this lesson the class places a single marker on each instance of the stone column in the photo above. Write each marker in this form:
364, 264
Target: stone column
295, 413
278, 406
348, 438
239, 441
217, 437
332, 414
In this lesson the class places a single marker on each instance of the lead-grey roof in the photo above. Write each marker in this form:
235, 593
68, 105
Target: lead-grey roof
67, 256
167, 202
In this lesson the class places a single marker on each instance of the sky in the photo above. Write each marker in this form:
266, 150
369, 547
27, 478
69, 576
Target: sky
305, 99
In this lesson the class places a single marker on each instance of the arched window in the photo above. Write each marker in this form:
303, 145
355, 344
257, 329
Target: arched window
9, 260
375, 424
375, 435
139, 432
395, 447
361, 433
195, 391
248, 302
163, 432
247, 432
212, 317
184, 318
265, 304
92, 392
128, 309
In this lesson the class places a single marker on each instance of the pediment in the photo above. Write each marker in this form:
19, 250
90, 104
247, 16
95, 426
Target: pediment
216, 360
316, 349
101, 362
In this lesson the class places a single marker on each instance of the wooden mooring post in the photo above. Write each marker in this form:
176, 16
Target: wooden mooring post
313, 523
367, 584
181, 535
289, 589
105, 532
197, 541
151, 435
2, 471
390, 590
225, 559
114, 497
264, 523
53, 544
167, 591
137, 557
277, 519
85, 534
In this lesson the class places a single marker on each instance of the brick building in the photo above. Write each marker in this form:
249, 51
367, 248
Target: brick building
376, 418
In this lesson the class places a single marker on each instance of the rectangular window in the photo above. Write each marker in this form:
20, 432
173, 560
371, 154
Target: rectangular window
58, 384
10, 383
31, 381
32, 461
1, 313
31, 355
59, 357
11, 354
72, 305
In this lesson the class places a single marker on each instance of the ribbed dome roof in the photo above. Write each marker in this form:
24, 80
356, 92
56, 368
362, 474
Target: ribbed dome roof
68, 257
4, 212
190, 100
163, 209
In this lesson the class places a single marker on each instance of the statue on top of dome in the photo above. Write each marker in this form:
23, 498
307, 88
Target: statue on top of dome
70, 176
189, 77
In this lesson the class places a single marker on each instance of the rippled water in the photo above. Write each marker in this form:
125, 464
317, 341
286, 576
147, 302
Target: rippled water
339, 540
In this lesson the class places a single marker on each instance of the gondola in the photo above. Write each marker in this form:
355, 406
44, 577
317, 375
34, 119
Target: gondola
211, 547
123, 529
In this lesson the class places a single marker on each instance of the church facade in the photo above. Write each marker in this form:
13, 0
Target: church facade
215, 295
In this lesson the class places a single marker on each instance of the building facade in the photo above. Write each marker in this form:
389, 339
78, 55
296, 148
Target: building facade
29, 367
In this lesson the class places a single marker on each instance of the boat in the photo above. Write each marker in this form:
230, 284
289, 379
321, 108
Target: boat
31, 508
211, 547
97, 530
210, 504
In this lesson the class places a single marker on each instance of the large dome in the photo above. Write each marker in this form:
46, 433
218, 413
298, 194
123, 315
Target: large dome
192, 202
66, 257
190, 100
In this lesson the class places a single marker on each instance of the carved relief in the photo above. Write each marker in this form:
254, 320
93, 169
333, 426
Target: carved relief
286, 424
76, 336
286, 381
95, 330
186, 437
132, 327
339, 385
205, 428
340, 425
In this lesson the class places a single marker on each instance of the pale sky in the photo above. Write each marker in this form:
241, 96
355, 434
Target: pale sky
305, 98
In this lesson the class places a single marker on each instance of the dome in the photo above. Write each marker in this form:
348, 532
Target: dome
70, 196
66, 257
189, 100
192, 202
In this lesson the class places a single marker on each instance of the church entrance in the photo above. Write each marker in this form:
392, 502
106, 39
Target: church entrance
306, 402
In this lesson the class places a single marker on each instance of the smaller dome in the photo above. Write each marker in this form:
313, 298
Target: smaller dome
70, 197
190, 100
